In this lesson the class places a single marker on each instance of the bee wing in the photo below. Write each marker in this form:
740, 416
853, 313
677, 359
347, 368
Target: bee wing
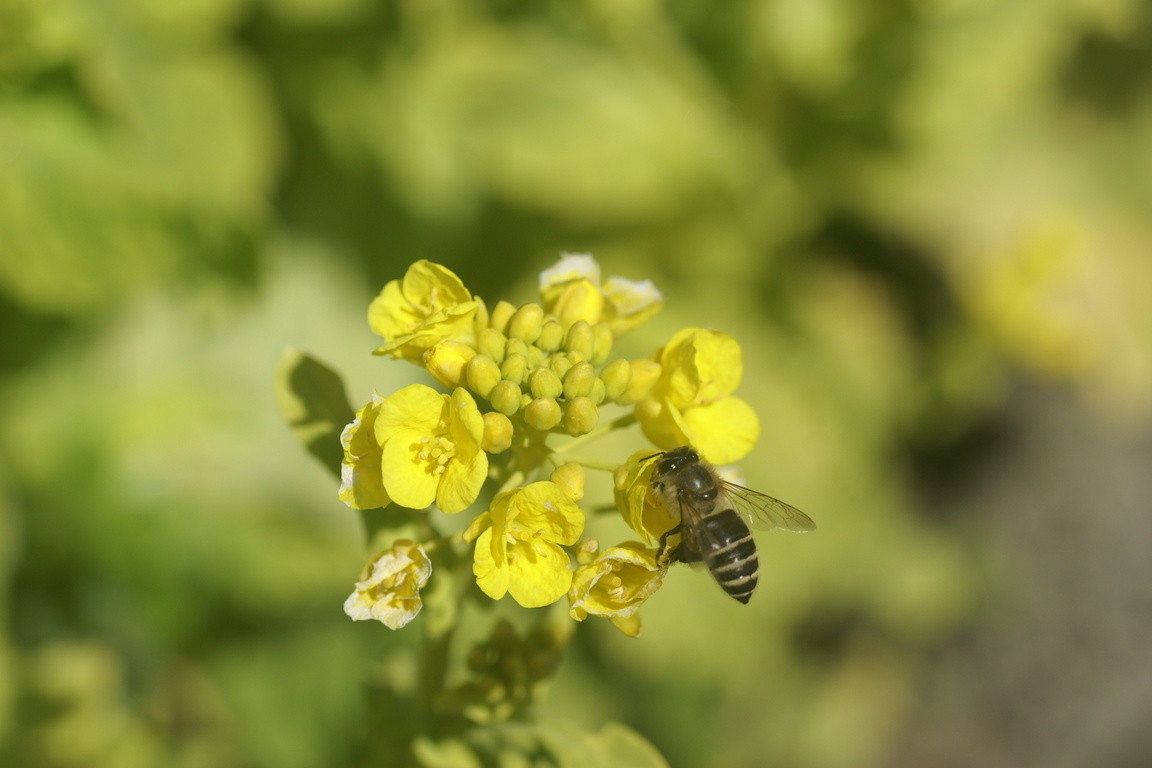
694, 538
764, 512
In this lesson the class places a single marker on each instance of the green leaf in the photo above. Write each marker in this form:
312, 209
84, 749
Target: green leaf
311, 399
622, 747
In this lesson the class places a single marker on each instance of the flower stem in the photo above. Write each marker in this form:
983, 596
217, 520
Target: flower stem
623, 422
608, 466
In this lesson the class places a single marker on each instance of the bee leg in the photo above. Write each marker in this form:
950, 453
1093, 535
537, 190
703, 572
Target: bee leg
664, 544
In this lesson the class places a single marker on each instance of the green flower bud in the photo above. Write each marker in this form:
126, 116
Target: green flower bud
543, 413
578, 380
527, 323
580, 416
505, 397
615, 376
602, 339
551, 336
514, 368
481, 375
481, 320
515, 347
542, 382
497, 433
597, 393
576, 356
645, 374
501, 314
491, 343
525, 398
536, 357
580, 338
559, 364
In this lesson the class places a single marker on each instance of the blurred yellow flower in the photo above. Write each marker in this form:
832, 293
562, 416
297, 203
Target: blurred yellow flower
361, 484
691, 402
389, 588
572, 291
430, 448
518, 544
429, 305
615, 585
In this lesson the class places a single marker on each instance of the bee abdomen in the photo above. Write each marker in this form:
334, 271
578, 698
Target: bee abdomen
734, 563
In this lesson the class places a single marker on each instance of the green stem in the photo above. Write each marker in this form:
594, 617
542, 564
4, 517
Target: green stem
623, 422
432, 675
608, 466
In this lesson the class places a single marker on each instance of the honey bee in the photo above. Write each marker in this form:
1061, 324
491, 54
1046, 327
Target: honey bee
714, 518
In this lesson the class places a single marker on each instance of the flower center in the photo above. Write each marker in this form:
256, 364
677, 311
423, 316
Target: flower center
437, 450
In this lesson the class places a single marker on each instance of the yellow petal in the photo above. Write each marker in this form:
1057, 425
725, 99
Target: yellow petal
389, 314
661, 423
723, 431
403, 305
361, 484
490, 566
543, 509
618, 581
631, 301
634, 497
719, 363
479, 524
456, 322
432, 285
539, 573
629, 625
407, 479
699, 366
415, 408
461, 482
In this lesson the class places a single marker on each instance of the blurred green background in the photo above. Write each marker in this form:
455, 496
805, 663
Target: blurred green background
928, 222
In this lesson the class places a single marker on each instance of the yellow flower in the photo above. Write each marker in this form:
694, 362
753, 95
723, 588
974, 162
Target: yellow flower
429, 305
430, 448
572, 290
691, 403
361, 484
615, 585
518, 544
641, 509
389, 588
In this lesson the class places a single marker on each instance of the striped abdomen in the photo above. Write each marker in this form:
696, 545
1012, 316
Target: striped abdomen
730, 554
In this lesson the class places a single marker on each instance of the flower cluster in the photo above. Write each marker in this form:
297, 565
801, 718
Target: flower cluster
519, 379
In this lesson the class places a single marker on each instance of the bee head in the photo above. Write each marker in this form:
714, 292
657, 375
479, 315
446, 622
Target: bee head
676, 458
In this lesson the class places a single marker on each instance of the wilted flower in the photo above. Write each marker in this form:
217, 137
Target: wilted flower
389, 589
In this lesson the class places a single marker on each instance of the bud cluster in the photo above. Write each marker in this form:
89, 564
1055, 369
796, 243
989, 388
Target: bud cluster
526, 362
